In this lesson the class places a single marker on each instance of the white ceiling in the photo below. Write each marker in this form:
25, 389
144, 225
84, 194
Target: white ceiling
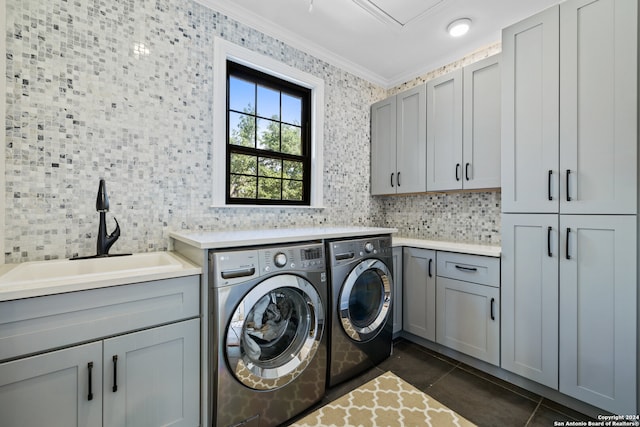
387, 42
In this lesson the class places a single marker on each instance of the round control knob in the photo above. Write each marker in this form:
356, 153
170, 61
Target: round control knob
368, 247
280, 260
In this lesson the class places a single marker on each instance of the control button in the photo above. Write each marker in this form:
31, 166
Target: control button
293, 265
280, 260
267, 268
368, 247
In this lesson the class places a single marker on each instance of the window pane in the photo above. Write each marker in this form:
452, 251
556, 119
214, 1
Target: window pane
242, 95
270, 167
291, 139
242, 129
268, 103
242, 187
291, 169
268, 135
291, 190
291, 109
243, 164
269, 188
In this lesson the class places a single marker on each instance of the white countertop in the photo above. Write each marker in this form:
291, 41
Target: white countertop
438, 245
40, 278
232, 239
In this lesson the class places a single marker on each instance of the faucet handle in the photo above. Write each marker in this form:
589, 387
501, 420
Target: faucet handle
102, 201
116, 232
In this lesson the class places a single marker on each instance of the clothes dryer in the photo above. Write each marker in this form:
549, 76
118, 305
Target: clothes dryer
361, 290
268, 340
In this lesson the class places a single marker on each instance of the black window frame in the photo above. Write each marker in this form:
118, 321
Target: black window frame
267, 80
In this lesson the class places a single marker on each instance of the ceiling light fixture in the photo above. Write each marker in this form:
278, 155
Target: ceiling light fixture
459, 27
310, 6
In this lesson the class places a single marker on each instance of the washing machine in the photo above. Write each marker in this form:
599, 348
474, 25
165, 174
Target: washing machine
268, 340
361, 289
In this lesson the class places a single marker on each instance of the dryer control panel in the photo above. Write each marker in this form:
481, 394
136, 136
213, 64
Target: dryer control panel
346, 251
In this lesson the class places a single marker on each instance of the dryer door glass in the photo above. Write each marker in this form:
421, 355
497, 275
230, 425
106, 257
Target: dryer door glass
365, 300
275, 332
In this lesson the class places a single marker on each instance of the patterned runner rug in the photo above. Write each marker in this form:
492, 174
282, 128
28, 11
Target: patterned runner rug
385, 401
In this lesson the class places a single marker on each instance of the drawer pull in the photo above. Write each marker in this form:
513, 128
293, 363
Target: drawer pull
430, 263
493, 314
549, 253
90, 396
567, 244
467, 269
457, 171
115, 373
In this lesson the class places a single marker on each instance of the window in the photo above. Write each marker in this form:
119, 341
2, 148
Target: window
268, 142
224, 52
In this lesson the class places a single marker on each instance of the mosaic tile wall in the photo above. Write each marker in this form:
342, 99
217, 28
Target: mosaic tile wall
123, 91
471, 217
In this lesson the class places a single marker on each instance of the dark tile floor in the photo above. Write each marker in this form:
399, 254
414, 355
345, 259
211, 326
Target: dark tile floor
479, 397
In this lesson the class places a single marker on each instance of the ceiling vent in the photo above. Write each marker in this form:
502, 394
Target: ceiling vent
396, 13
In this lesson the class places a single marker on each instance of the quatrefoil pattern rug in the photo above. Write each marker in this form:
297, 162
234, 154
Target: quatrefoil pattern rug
385, 401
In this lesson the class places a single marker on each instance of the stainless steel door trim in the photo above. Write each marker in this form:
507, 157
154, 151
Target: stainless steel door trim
372, 329
302, 349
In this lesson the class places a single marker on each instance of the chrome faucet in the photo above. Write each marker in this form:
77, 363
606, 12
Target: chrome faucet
105, 241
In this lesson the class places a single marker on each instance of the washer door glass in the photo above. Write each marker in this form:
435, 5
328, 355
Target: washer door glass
275, 332
365, 299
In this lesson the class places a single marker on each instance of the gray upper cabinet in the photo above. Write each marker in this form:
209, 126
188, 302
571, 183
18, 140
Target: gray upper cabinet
383, 146
444, 132
463, 128
530, 107
398, 143
481, 124
598, 101
569, 118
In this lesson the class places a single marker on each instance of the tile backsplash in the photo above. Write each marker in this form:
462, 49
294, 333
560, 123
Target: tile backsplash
123, 91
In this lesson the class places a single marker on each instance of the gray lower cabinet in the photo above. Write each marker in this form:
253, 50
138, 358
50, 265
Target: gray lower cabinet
53, 389
580, 336
419, 292
598, 314
148, 377
397, 291
530, 254
468, 305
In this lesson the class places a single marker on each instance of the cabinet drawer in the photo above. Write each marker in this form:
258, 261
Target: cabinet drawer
470, 268
33, 325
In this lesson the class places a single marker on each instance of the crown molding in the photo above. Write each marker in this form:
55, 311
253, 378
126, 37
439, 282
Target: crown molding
257, 22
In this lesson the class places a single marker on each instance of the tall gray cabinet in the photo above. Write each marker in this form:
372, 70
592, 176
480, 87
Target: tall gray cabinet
569, 201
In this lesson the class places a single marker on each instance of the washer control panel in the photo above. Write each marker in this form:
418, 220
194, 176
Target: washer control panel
237, 266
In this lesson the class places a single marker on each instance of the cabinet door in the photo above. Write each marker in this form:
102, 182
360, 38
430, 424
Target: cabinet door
530, 296
419, 292
468, 318
530, 107
598, 312
481, 129
598, 98
383, 146
444, 132
155, 379
397, 290
411, 141
53, 389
